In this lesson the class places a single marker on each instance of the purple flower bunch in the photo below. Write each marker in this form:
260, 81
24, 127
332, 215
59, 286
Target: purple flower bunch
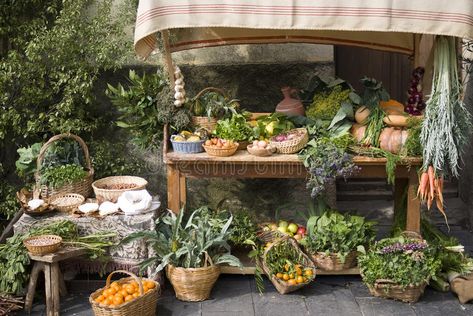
408, 248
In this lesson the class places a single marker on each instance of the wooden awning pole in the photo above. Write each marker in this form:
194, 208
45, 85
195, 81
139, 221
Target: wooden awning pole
167, 58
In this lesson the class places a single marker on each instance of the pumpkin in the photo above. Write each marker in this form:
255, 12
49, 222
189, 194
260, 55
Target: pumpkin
358, 132
392, 107
362, 114
393, 139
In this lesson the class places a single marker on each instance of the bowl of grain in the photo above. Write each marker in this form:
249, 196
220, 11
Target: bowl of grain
110, 188
42, 244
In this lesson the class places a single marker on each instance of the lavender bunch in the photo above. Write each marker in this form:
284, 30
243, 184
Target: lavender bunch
408, 248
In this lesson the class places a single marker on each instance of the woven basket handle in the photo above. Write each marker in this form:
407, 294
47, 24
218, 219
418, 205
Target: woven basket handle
137, 279
384, 281
207, 259
54, 139
210, 89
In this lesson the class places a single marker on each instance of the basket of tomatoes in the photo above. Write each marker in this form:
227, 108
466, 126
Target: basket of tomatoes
286, 265
126, 297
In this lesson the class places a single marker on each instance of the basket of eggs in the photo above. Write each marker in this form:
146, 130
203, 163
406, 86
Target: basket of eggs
126, 297
220, 147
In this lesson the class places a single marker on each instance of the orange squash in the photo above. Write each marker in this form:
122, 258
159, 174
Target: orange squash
393, 139
362, 114
392, 107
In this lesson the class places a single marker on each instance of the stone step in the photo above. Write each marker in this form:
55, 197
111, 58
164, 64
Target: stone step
366, 195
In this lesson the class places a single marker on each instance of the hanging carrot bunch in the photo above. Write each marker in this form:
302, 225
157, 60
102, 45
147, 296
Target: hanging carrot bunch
446, 126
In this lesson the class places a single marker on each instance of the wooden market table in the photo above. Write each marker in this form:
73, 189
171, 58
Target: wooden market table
243, 165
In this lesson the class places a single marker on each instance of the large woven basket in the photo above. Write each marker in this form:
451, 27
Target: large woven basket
332, 262
293, 145
82, 187
42, 244
281, 286
389, 289
193, 284
221, 152
129, 183
144, 305
209, 123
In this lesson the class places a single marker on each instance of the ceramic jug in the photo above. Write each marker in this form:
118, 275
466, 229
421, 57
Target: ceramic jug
289, 105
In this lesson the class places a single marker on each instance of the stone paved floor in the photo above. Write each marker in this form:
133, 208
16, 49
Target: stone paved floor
329, 295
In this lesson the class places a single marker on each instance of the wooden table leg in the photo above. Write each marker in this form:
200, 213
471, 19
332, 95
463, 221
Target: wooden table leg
62, 284
182, 191
413, 204
52, 289
174, 188
37, 267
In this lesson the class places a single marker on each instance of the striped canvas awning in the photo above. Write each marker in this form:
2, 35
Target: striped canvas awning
380, 24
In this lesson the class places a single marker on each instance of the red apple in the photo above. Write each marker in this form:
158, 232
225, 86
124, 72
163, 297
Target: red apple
301, 230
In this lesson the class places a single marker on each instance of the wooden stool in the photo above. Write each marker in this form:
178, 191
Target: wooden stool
54, 281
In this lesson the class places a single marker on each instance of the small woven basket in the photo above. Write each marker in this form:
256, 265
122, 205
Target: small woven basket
144, 305
209, 123
42, 244
332, 262
82, 187
131, 183
269, 235
193, 284
261, 152
66, 202
221, 152
389, 289
281, 286
187, 147
291, 146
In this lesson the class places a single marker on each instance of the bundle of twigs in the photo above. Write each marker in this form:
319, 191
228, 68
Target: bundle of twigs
10, 304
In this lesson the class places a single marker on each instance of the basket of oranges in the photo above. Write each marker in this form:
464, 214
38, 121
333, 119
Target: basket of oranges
286, 265
126, 297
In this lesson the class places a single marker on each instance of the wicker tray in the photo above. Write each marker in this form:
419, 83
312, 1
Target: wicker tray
51, 244
193, 284
332, 262
66, 202
389, 289
293, 145
112, 195
221, 152
144, 305
281, 286
82, 187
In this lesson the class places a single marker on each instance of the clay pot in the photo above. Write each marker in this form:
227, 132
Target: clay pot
289, 105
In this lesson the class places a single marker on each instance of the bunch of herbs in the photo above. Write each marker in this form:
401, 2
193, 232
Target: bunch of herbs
235, 128
337, 233
402, 260
56, 177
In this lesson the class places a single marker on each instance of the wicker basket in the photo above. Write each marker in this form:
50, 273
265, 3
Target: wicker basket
209, 123
281, 286
269, 235
82, 187
332, 262
102, 194
66, 202
51, 244
144, 305
389, 289
193, 284
293, 145
261, 152
187, 147
221, 152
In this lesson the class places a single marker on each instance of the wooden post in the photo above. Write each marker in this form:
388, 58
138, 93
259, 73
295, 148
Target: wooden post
168, 58
37, 267
413, 203
174, 188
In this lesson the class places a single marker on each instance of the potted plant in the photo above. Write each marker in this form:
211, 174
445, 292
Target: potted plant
332, 239
398, 268
191, 252
209, 105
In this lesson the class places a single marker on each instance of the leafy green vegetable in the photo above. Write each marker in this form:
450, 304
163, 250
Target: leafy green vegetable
243, 228
186, 244
26, 163
56, 177
235, 128
333, 232
403, 260
213, 104
326, 104
413, 146
271, 125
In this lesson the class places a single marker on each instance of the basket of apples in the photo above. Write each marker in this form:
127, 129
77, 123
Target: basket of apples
271, 231
220, 147
261, 148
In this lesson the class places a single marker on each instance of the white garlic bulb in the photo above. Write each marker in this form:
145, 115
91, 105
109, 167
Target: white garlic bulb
180, 95
178, 103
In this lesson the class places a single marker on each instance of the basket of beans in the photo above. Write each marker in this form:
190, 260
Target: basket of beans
42, 244
110, 188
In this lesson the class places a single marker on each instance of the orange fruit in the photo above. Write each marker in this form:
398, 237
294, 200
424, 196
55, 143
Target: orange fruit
286, 267
300, 279
128, 298
123, 292
118, 299
136, 294
108, 300
291, 276
279, 275
308, 272
111, 291
292, 282
151, 284
298, 271
285, 277
130, 289
100, 298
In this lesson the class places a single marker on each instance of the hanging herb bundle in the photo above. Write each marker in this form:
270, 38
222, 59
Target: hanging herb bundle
373, 93
446, 126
